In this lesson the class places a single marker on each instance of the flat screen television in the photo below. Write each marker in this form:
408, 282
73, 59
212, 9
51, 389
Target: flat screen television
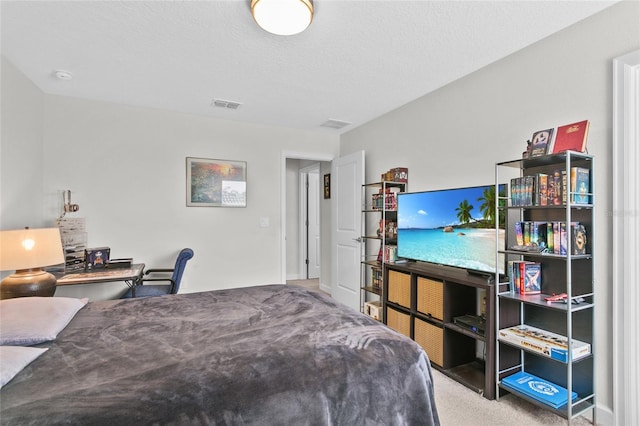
452, 227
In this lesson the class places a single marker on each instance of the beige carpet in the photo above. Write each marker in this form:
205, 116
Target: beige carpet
312, 284
460, 406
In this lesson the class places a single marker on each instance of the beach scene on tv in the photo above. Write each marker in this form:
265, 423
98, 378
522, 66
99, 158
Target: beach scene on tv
454, 227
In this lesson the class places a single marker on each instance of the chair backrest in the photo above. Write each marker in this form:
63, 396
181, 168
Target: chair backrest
178, 269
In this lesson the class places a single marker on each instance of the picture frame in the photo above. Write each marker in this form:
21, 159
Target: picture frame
327, 186
216, 183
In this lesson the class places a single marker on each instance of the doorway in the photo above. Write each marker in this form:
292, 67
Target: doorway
297, 168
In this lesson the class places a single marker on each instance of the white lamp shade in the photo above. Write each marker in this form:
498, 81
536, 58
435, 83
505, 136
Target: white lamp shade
282, 17
30, 248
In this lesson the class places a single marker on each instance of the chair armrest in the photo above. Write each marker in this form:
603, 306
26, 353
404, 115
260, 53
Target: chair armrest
171, 282
151, 271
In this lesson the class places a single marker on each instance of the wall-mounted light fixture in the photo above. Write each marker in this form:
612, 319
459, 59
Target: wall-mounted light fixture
282, 17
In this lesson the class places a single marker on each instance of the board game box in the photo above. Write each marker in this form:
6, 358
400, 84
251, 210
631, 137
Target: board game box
544, 342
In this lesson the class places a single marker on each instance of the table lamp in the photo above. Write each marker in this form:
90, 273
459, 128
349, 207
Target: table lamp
27, 251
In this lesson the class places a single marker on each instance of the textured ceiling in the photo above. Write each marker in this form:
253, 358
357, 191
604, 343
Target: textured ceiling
357, 60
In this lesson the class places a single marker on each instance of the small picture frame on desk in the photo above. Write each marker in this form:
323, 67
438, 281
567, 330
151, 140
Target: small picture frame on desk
97, 258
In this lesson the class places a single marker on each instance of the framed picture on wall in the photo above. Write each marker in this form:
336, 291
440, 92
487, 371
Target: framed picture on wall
216, 183
327, 186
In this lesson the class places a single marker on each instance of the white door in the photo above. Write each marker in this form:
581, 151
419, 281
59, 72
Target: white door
347, 178
310, 222
313, 216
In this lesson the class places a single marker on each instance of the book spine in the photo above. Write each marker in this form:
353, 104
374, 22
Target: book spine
550, 236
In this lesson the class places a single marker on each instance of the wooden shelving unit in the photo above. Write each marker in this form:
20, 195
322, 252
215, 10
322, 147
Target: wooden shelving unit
422, 301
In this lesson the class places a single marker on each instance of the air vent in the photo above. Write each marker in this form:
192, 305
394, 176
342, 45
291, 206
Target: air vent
335, 124
221, 103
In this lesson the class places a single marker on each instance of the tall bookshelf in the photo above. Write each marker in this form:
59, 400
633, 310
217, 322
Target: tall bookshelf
379, 214
570, 272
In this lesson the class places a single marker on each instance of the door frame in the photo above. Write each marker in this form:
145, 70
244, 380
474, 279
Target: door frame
303, 214
294, 155
626, 231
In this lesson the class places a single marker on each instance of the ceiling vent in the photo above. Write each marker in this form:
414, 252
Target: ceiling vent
221, 103
335, 124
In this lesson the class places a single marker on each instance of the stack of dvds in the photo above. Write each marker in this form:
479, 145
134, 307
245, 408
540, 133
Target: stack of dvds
73, 233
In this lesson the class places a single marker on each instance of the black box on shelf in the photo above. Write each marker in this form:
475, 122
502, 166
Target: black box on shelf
122, 263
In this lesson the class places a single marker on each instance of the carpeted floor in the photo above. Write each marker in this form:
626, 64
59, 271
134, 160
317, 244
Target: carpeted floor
312, 284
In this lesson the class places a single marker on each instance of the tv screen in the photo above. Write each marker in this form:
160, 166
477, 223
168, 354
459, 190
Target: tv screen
453, 227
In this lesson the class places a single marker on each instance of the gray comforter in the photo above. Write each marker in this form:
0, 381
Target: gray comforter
268, 355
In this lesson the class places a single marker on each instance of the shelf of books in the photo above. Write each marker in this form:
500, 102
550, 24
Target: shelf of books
544, 321
378, 236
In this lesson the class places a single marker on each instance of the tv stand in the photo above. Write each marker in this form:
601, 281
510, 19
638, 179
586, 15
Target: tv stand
488, 276
422, 301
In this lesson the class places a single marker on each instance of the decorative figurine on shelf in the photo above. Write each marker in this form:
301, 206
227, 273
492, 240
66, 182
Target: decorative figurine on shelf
526, 153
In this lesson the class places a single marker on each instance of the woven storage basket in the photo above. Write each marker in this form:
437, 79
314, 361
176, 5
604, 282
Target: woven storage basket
430, 297
400, 288
430, 338
399, 321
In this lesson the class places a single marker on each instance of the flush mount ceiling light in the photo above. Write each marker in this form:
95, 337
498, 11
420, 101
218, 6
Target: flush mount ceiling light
63, 75
282, 17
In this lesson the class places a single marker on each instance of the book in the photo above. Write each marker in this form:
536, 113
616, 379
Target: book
539, 389
522, 275
563, 239
571, 137
540, 234
580, 185
541, 192
579, 242
519, 234
540, 142
544, 342
550, 246
556, 238
556, 199
532, 278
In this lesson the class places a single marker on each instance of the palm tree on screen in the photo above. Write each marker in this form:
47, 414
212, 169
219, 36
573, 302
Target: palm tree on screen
488, 206
464, 211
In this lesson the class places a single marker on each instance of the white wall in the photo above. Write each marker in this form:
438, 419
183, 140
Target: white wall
454, 136
125, 167
21, 160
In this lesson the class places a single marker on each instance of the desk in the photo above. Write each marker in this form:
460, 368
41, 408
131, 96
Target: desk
131, 276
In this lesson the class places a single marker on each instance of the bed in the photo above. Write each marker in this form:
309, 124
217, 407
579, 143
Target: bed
275, 354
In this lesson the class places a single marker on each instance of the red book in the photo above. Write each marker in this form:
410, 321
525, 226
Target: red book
572, 137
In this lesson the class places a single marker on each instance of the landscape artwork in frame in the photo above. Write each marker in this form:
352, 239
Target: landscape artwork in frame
216, 183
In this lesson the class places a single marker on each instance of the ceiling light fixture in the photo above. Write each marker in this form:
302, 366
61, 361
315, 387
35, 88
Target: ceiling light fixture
63, 75
282, 17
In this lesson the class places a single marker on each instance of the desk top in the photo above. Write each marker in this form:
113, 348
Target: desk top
102, 275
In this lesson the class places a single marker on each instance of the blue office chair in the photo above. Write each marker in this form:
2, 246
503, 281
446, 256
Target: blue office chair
172, 282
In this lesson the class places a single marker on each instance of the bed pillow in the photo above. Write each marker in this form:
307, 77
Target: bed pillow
13, 359
26, 321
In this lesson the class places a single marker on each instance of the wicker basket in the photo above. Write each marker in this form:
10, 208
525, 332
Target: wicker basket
399, 321
430, 297
400, 288
430, 337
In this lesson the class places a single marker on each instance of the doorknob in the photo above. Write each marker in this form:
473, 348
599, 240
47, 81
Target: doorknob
358, 239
